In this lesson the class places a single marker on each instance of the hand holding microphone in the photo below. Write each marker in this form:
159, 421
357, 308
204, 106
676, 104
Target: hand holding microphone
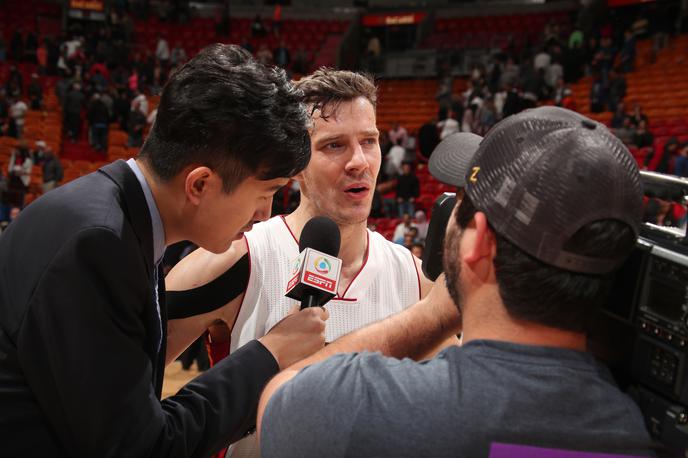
297, 336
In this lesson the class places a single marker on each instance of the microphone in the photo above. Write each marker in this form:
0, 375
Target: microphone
315, 273
434, 241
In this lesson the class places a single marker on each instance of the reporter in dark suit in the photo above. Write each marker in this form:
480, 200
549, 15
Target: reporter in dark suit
82, 313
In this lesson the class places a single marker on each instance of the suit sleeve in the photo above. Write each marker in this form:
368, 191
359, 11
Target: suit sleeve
83, 347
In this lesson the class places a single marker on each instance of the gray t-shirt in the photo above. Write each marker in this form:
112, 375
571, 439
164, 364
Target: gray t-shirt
456, 405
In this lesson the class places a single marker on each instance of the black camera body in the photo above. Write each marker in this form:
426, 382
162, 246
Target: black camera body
642, 335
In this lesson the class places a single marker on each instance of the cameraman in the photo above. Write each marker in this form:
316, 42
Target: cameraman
553, 206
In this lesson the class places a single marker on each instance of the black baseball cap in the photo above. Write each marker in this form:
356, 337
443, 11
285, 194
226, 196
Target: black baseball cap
540, 176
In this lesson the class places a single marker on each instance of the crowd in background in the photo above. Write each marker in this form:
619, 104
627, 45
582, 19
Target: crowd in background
103, 78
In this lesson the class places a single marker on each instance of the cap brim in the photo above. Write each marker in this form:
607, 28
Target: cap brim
450, 159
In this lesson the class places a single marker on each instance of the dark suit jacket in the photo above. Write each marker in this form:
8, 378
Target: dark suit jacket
80, 374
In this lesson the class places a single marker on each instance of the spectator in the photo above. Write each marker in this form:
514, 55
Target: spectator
617, 89
428, 138
408, 190
555, 71
606, 55
421, 222
17, 114
510, 74
619, 116
373, 52
512, 103
99, 122
401, 229
410, 238
122, 106
19, 175
486, 116
542, 60
398, 132
42, 58
447, 125
73, 103
141, 102
52, 171
258, 29
394, 160
417, 250
468, 123
598, 95
626, 132
178, 55
12, 215
62, 66
15, 82
281, 55
681, 164
99, 78
35, 93
38, 154
637, 115
558, 93
277, 19
444, 95
666, 161
627, 54
133, 81
643, 137
568, 101
162, 50
301, 61
137, 123
264, 55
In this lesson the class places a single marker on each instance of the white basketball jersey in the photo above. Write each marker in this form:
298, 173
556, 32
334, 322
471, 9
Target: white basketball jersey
387, 283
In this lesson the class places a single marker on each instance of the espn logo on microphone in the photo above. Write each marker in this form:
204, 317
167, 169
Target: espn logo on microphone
320, 282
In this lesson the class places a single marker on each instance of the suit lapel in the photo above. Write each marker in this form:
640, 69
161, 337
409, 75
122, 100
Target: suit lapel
135, 206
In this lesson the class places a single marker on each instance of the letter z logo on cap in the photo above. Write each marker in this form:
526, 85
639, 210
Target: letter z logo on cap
474, 175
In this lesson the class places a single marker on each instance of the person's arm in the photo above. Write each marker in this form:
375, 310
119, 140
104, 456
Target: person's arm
197, 269
426, 286
412, 333
86, 351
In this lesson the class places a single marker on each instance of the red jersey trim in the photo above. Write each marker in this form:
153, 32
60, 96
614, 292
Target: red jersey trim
289, 229
415, 266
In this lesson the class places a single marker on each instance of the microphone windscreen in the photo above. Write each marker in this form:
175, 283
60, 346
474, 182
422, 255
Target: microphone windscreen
322, 234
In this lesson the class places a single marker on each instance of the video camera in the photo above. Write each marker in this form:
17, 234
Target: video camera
642, 332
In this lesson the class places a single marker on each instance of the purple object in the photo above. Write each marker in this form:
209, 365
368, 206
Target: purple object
523, 451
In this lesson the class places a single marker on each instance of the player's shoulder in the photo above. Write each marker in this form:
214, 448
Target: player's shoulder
381, 244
